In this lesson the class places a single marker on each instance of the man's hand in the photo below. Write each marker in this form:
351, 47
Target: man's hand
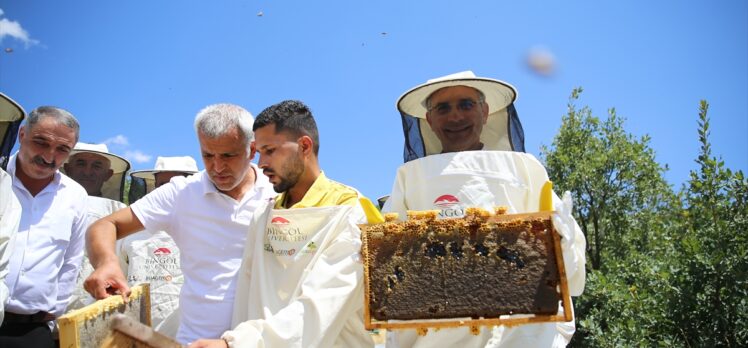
203, 343
107, 280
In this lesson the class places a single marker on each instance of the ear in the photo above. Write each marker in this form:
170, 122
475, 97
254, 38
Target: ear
307, 145
252, 150
485, 112
22, 132
109, 174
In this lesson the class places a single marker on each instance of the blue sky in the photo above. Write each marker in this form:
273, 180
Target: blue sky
135, 73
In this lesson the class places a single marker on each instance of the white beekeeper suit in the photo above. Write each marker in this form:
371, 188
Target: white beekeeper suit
97, 208
153, 256
11, 115
304, 280
451, 182
10, 216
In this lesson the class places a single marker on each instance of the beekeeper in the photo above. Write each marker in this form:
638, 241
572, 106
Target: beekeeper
153, 256
102, 174
301, 282
11, 116
464, 148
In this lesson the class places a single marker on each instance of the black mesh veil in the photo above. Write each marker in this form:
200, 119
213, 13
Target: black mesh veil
505, 122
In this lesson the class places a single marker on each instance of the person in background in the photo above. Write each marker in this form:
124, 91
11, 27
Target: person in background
153, 256
102, 174
464, 143
301, 283
50, 239
207, 215
11, 115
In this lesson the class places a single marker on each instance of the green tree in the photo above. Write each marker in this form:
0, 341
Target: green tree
666, 270
615, 181
620, 198
710, 253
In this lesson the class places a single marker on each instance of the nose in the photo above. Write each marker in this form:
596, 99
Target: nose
454, 115
48, 155
88, 170
218, 164
262, 162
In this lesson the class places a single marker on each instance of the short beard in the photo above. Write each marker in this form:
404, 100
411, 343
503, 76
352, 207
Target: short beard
292, 170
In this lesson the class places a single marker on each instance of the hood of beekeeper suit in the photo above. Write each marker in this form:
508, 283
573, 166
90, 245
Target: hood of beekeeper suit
114, 187
502, 131
11, 116
144, 181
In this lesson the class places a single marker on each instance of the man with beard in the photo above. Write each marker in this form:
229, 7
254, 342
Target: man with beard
301, 283
207, 215
50, 238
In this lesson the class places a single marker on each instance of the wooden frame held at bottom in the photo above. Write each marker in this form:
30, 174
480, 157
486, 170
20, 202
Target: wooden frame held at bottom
90, 325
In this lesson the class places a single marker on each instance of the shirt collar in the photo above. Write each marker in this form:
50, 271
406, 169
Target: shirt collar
208, 186
311, 198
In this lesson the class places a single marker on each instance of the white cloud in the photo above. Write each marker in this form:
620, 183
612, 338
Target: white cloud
14, 30
138, 157
118, 139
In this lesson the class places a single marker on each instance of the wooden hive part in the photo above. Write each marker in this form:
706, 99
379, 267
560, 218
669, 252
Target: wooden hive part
89, 326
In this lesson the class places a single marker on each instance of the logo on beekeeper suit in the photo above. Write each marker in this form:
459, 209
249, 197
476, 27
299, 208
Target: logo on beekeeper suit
281, 231
161, 251
449, 207
279, 220
310, 248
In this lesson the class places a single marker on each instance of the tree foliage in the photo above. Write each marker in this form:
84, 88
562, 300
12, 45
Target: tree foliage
614, 178
665, 268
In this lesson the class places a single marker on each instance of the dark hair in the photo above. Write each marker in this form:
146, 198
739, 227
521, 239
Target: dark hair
291, 116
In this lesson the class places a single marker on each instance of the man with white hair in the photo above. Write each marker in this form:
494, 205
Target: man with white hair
50, 238
153, 256
464, 141
207, 214
102, 174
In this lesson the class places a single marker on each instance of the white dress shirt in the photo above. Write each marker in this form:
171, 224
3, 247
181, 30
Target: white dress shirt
210, 229
10, 216
49, 245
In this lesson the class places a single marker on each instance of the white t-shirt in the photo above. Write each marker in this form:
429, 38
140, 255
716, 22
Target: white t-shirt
450, 183
210, 229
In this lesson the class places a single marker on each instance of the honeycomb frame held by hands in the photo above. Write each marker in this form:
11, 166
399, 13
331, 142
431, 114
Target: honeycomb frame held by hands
480, 270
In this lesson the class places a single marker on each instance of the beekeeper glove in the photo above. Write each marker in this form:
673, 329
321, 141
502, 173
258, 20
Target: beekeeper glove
573, 244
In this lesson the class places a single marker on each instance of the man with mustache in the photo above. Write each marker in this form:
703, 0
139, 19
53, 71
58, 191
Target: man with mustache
207, 215
50, 239
301, 283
